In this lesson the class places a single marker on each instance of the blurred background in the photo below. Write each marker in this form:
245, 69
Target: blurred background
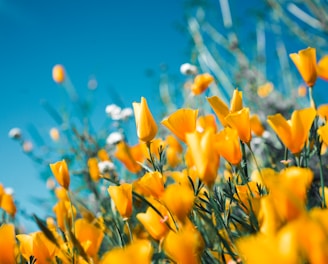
117, 51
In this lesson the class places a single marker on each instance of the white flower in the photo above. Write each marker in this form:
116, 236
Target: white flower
9, 191
106, 166
188, 69
15, 133
113, 110
126, 113
114, 138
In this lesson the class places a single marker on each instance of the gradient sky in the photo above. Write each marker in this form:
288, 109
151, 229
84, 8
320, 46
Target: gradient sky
116, 41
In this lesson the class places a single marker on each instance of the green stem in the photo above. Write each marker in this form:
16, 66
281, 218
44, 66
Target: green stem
150, 155
311, 98
322, 182
129, 229
244, 160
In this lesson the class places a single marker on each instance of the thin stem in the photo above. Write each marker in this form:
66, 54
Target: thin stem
322, 182
150, 155
257, 165
244, 160
129, 229
311, 98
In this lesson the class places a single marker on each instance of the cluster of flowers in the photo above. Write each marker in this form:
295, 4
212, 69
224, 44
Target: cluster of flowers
200, 195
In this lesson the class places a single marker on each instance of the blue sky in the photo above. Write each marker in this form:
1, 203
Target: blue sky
116, 41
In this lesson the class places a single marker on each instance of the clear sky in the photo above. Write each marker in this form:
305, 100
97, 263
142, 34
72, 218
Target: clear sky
116, 41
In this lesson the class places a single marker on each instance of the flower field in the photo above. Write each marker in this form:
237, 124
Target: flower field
211, 180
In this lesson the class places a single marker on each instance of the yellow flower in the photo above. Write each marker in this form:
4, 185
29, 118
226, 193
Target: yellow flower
293, 133
184, 246
201, 83
265, 89
206, 121
322, 111
228, 145
58, 73
323, 133
145, 123
152, 183
93, 169
103, 155
256, 125
288, 191
153, 222
250, 200
7, 244
129, 156
64, 214
173, 151
269, 249
122, 198
222, 110
204, 155
7, 204
138, 252
37, 245
181, 122
322, 68
155, 145
241, 122
306, 64
89, 236
179, 200
61, 173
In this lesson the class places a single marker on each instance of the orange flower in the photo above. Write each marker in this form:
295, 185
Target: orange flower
122, 198
61, 173
256, 125
103, 155
305, 62
153, 223
146, 125
323, 133
7, 244
228, 145
7, 204
204, 155
58, 73
184, 246
241, 122
64, 214
322, 68
38, 246
206, 121
288, 191
249, 196
152, 183
93, 169
138, 252
179, 200
293, 133
181, 122
222, 110
201, 83
265, 89
322, 111
173, 151
129, 156
89, 236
